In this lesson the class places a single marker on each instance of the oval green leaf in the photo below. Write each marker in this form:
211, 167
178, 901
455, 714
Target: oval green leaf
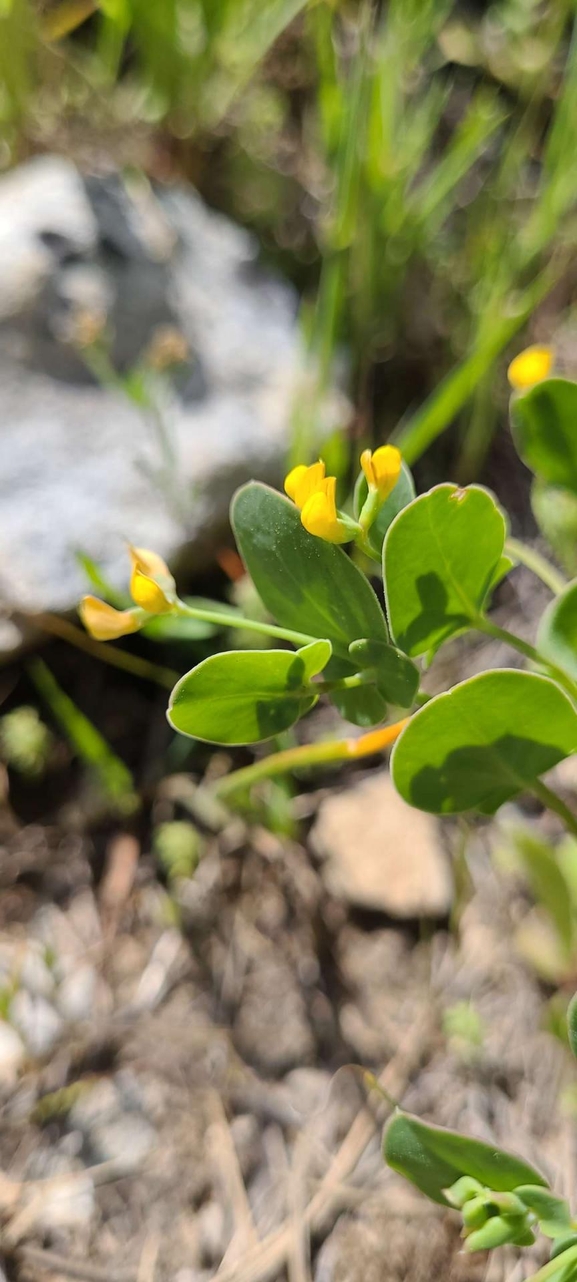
440, 558
308, 585
433, 1159
544, 422
246, 696
557, 635
397, 678
400, 497
483, 741
555, 511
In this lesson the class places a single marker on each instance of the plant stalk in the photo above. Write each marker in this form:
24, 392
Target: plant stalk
538, 563
552, 802
238, 621
524, 647
309, 754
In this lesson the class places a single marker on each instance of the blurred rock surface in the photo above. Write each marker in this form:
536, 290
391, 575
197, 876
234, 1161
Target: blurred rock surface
79, 465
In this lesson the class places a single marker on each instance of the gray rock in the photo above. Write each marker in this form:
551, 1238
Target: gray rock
379, 853
81, 467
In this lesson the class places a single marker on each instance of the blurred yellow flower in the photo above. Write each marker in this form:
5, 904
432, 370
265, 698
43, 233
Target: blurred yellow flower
168, 346
382, 469
151, 584
530, 367
104, 623
152, 589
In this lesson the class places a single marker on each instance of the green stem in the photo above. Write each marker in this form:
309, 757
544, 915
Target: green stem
538, 564
344, 683
313, 754
309, 754
501, 634
553, 802
224, 620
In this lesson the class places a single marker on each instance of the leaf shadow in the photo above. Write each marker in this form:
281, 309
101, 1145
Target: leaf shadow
482, 776
434, 614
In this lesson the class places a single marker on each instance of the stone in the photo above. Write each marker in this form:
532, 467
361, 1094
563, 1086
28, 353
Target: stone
127, 1139
272, 1029
82, 467
75, 998
380, 854
12, 1054
38, 1023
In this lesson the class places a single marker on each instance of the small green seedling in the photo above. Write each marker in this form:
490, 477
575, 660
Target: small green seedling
470, 748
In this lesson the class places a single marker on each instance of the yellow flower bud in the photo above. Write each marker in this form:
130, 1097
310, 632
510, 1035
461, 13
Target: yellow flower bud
530, 367
104, 623
319, 514
304, 481
152, 586
382, 469
147, 594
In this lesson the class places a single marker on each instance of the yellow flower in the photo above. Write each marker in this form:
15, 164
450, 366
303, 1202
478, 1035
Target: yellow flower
151, 584
152, 589
304, 481
319, 514
530, 367
382, 469
104, 623
167, 347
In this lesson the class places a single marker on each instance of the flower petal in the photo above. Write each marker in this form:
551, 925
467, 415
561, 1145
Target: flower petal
303, 481
530, 367
149, 565
104, 623
147, 594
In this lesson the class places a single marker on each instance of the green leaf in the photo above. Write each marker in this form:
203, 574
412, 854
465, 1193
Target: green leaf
501, 571
552, 1212
440, 558
363, 705
563, 1243
483, 741
246, 696
544, 422
572, 1024
400, 497
548, 883
561, 1267
86, 741
555, 512
397, 678
433, 1159
306, 584
557, 635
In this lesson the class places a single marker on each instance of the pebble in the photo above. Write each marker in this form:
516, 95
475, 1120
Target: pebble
12, 1053
76, 993
379, 853
128, 1139
37, 1021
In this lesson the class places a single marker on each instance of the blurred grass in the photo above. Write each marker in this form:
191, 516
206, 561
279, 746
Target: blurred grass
412, 165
